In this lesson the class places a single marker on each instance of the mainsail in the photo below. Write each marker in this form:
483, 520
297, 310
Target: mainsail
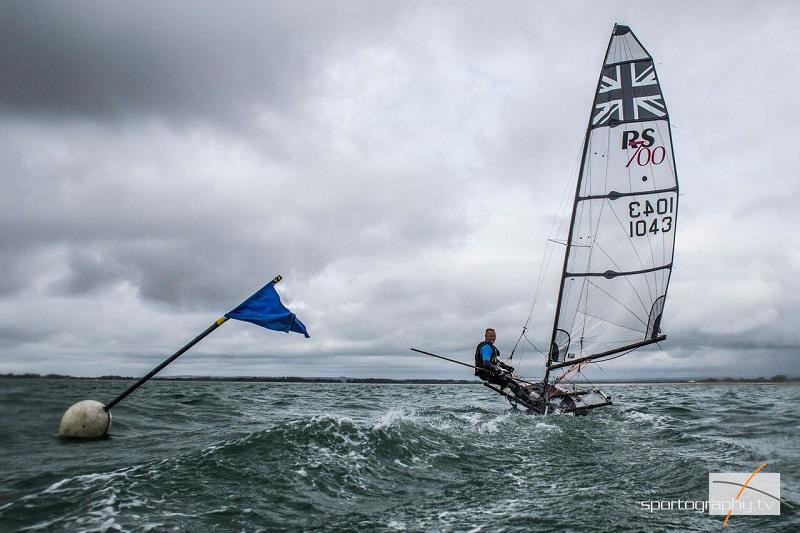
619, 251
621, 241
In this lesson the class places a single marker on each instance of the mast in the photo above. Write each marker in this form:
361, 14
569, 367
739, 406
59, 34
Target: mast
572, 220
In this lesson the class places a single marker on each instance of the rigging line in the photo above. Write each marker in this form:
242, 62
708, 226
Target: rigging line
539, 281
556, 227
534, 346
569, 185
574, 370
547, 258
548, 255
517, 343
549, 249
620, 303
524, 365
521, 364
581, 374
546, 268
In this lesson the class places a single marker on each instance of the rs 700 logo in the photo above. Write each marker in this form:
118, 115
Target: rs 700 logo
644, 154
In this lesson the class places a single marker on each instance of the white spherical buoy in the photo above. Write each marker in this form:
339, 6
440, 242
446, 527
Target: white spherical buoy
85, 420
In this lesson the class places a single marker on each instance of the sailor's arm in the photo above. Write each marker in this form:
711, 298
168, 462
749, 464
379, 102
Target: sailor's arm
506, 367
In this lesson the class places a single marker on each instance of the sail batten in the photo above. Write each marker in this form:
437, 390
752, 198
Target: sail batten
620, 244
615, 195
613, 274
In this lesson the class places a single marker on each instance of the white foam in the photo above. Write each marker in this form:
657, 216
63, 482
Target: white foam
84, 479
393, 416
543, 426
493, 424
397, 526
642, 417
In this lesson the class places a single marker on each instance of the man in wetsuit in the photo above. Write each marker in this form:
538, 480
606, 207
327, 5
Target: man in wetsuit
490, 369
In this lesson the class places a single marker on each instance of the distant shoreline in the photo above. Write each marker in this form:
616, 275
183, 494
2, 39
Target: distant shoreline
780, 379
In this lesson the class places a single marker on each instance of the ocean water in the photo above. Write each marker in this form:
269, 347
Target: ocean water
212, 456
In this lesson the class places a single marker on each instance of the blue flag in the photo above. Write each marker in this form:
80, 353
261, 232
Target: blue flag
265, 309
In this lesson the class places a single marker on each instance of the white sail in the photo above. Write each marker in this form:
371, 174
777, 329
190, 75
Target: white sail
619, 251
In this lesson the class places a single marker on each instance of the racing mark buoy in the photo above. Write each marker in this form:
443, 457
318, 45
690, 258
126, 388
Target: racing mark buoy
87, 419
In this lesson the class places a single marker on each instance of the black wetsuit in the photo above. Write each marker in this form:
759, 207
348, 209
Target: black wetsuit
493, 371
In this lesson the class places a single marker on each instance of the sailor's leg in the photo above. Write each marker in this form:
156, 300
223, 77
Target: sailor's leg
519, 390
497, 381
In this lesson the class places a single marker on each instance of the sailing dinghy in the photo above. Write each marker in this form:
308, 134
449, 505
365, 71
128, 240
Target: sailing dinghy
620, 246
619, 249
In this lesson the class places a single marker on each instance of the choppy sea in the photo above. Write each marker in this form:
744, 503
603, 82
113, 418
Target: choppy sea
214, 456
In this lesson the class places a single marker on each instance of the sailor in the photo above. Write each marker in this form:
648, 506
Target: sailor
489, 368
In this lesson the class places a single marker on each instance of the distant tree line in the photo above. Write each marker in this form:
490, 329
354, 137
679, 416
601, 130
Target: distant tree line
780, 378
264, 379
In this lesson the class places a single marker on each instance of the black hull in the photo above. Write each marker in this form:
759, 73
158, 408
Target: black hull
561, 401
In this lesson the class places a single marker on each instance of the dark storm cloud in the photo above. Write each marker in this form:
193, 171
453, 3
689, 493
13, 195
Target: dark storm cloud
399, 163
179, 59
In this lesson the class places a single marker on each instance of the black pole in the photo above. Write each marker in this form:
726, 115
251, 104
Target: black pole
160, 367
174, 356
465, 364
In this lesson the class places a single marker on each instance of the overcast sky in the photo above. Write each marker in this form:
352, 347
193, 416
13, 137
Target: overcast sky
400, 163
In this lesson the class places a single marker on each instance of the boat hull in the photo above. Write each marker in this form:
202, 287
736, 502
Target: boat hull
578, 401
561, 399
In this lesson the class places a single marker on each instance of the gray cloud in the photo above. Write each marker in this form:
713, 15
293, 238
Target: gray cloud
401, 164
180, 59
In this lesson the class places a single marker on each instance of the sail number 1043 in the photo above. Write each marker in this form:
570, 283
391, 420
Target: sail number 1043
643, 221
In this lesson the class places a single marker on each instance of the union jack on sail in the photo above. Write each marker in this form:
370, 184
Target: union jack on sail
628, 92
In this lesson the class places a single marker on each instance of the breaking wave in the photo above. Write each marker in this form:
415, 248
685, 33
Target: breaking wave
386, 458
